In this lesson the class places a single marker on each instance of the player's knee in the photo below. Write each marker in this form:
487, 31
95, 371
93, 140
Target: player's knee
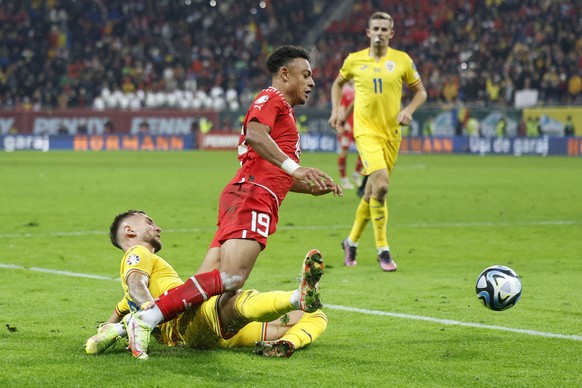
231, 282
381, 191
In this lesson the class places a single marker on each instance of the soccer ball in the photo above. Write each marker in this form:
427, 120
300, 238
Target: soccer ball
498, 287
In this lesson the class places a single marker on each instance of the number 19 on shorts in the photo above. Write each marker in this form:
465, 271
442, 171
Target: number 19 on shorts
260, 223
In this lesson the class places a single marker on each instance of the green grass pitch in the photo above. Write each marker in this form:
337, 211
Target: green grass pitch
450, 217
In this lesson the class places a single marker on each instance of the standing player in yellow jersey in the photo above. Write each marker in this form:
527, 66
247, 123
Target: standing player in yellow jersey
378, 73
250, 318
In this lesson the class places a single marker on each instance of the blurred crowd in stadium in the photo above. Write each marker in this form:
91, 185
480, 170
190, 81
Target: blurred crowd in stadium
210, 53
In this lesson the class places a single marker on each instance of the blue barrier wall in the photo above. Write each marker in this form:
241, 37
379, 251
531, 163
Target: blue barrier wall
517, 146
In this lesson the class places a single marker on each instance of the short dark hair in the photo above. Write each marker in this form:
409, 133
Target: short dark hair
283, 55
114, 228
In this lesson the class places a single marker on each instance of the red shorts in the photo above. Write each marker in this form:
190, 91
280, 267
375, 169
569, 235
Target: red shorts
345, 139
246, 211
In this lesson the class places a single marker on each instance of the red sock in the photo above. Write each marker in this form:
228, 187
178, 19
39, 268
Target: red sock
341, 165
359, 165
194, 291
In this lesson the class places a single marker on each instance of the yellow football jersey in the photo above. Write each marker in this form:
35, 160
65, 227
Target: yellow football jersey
379, 90
162, 276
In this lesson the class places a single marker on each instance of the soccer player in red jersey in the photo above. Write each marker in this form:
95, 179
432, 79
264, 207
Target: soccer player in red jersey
269, 151
345, 137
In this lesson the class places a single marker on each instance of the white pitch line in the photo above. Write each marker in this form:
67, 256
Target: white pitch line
320, 227
341, 308
496, 224
57, 272
454, 323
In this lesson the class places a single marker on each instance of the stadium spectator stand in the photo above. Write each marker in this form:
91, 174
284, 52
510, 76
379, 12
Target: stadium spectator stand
209, 53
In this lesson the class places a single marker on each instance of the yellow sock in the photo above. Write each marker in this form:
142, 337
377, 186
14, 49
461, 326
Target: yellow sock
361, 221
263, 306
379, 214
307, 330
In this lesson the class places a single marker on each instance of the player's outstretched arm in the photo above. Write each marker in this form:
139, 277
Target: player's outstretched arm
257, 136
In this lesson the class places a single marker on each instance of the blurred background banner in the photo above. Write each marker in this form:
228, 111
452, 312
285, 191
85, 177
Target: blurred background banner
90, 122
451, 120
310, 142
448, 129
114, 142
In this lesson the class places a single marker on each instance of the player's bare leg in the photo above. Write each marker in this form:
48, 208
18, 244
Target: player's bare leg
237, 259
377, 186
211, 260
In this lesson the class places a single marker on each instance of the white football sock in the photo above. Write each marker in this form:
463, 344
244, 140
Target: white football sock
295, 299
120, 329
351, 243
152, 316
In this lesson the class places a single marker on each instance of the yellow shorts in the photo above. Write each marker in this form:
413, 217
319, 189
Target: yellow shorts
200, 328
377, 153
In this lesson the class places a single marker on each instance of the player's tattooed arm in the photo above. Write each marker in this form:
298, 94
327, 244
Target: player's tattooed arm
137, 285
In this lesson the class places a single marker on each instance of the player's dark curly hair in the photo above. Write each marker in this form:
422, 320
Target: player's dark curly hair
283, 55
114, 228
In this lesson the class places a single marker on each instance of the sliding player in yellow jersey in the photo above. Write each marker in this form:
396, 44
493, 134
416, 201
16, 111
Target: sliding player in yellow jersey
276, 322
378, 73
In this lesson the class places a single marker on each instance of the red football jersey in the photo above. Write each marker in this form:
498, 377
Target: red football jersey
269, 108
